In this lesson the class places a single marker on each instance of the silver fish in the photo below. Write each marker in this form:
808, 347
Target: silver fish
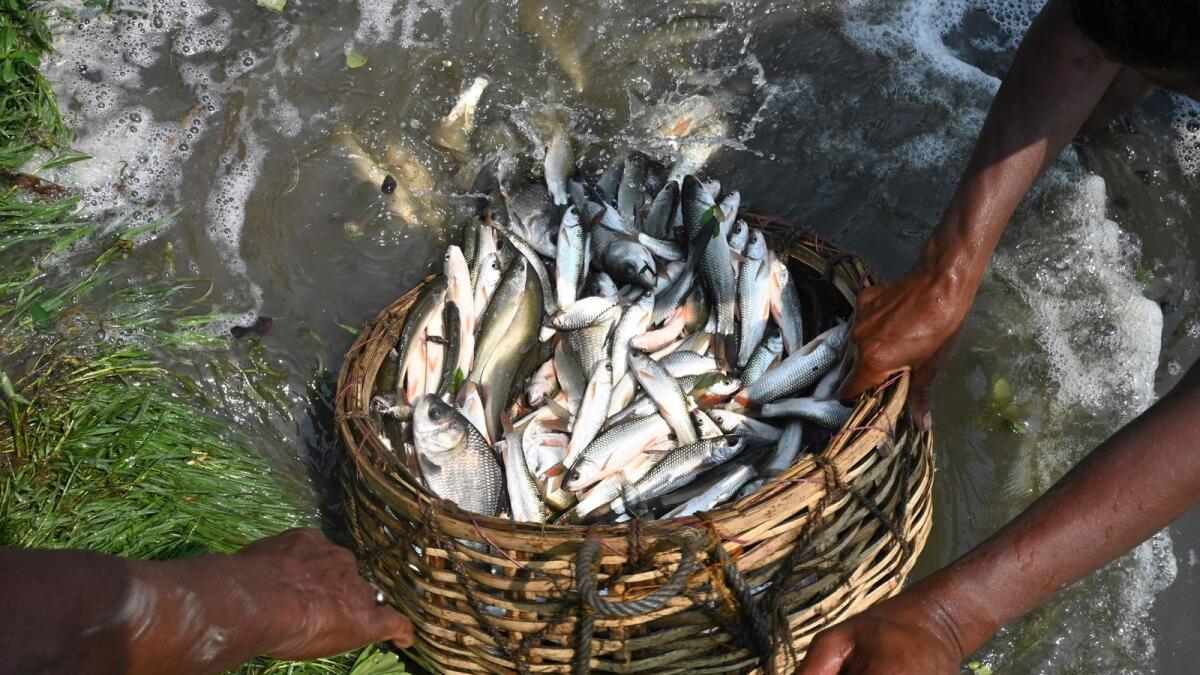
456, 461
716, 260
470, 404
785, 305
460, 292
829, 414
662, 248
570, 266
583, 312
592, 411
539, 269
600, 494
754, 431
626, 260
488, 278
590, 343
678, 468
524, 498
542, 384
633, 322
764, 356
610, 181
502, 344
718, 493
631, 191
613, 449
657, 222
665, 392
754, 302
801, 369
600, 284
454, 131
427, 308
786, 451
558, 166
571, 377
739, 236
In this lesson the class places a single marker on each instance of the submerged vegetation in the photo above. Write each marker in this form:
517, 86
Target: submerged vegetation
103, 445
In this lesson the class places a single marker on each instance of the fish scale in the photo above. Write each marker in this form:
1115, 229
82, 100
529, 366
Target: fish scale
456, 461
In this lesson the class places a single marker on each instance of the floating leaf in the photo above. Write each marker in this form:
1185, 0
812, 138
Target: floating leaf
1001, 392
349, 329
41, 318
355, 59
276, 5
978, 668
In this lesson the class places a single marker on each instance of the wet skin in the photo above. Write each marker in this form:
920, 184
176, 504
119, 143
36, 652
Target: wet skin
293, 596
1134, 484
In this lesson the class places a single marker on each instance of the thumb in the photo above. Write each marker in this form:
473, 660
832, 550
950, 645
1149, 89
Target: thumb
827, 654
858, 380
392, 626
920, 396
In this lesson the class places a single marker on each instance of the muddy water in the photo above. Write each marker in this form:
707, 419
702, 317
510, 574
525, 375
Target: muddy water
853, 118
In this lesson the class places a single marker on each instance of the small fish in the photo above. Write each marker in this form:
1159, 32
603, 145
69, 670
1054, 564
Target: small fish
718, 493
524, 497
590, 343
626, 260
801, 369
571, 377
427, 306
612, 450
662, 248
602, 493
631, 191
557, 166
470, 404
716, 260
764, 356
682, 30
584, 312
785, 305
570, 267
665, 392
678, 468
539, 268
739, 236
452, 374
754, 302
542, 384
828, 413
654, 340
657, 222
592, 411
456, 462
600, 284
633, 322
505, 336
454, 131
754, 431
610, 180
490, 271
786, 451
460, 292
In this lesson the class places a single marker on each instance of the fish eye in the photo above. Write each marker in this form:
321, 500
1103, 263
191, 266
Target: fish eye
495, 264
389, 185
574, 476
446, 257
608, 367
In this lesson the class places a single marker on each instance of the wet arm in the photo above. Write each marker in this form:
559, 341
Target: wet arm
1133, 485
294, 596
1056, 80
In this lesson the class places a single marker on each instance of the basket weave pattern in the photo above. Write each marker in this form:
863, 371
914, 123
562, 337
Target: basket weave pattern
740, 589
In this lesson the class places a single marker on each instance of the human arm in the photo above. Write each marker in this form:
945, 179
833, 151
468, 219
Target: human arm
294, 596
1057, 77
1131, 486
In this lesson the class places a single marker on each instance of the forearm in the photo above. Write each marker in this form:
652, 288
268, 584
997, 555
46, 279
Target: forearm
1136, 483
1056, 79
75, 611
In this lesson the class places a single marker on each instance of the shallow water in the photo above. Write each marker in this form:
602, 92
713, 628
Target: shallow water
853, 118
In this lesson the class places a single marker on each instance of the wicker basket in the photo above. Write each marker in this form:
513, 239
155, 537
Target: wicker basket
740, 589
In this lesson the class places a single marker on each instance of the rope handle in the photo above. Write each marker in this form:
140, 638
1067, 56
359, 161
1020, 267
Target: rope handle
585, 570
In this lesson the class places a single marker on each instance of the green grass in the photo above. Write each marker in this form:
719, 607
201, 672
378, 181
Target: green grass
102, 446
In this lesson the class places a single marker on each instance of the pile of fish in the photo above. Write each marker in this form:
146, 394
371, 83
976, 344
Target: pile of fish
599, 351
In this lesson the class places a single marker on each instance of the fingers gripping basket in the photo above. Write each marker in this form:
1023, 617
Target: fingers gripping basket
741, 589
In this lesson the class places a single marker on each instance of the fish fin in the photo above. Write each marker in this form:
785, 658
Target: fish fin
558, 409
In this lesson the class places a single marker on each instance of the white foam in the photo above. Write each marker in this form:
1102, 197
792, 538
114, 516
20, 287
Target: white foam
378, 19
1186, 125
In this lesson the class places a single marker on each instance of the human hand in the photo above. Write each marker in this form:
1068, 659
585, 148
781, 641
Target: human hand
907, 635
317, 602
907, 324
